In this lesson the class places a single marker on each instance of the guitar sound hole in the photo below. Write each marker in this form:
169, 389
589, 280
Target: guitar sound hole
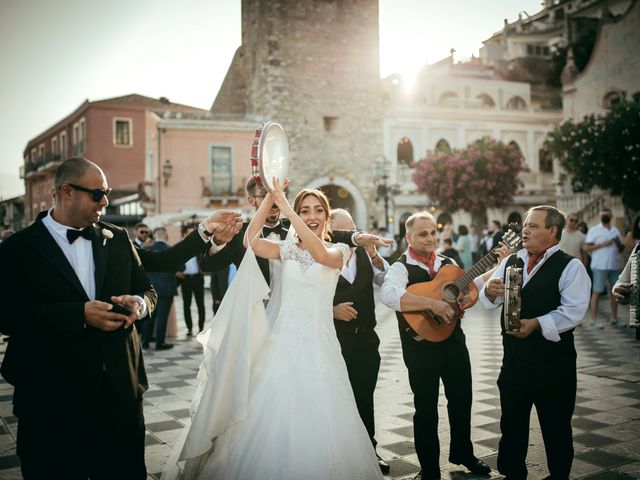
450, 293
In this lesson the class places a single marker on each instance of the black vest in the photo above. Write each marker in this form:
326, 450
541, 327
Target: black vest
417, 275
360, 292
540, 296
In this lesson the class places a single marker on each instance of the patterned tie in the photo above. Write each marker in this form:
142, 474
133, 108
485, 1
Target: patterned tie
533, 260
87, 232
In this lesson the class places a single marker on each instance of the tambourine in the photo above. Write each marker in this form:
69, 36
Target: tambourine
269, 155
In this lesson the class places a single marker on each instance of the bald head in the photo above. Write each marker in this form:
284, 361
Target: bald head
341, 220
73, 169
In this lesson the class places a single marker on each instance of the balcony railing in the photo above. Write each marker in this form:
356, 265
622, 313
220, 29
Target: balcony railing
41, 162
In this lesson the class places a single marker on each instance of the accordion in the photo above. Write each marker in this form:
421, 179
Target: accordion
634, 300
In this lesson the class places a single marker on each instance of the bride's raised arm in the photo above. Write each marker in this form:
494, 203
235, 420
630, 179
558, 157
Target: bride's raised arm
261, 246
331, 257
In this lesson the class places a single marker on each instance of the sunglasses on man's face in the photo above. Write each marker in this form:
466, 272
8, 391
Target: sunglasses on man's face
96, 193
143, 232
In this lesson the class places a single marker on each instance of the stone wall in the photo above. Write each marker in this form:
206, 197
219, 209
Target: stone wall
313, 66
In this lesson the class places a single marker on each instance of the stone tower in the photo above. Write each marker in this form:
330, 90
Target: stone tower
313, 66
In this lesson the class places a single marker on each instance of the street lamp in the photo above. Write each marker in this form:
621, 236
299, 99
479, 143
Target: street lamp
384, 191
167, 171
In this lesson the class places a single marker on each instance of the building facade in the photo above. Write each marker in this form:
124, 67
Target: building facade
320, 79
453, 105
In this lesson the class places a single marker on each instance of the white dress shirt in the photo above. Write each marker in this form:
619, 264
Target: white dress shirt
350, 269
79, 254
575, 290
192, 267
396, 279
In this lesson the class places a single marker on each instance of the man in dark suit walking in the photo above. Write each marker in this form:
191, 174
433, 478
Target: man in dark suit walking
354, 317
165, 286
73, 361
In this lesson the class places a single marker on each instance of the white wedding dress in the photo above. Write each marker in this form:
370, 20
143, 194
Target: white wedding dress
297, 417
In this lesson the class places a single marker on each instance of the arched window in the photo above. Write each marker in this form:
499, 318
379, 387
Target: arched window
611, 99
516, 103
405, 152
448, 98
487, 101
546, 162
443, 146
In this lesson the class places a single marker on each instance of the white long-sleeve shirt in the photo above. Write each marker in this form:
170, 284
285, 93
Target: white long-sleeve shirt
397, 278
575, 290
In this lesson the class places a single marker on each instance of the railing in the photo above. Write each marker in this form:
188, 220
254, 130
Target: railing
589, 205
42, 161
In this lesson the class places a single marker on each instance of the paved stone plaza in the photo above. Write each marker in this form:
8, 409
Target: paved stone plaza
606, 421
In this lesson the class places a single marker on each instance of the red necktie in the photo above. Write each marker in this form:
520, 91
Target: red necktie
428, 261
533, 259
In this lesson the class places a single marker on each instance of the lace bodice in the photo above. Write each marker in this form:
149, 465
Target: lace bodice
289, 250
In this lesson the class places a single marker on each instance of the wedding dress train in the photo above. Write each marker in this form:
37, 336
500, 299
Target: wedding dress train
298, 417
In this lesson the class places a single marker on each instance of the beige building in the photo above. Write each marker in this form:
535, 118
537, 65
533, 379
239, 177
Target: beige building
454, 105
613, 69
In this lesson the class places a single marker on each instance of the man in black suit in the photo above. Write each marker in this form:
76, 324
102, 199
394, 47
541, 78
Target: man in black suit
75, 364
192, 285
354, 317
274, 228
165, 286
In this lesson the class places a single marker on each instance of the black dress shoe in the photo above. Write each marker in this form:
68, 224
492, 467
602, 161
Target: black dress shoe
164, 346
475, 466
425, 476
384, 466
145, 346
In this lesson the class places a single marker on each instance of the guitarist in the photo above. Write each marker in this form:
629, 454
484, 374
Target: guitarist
429, 362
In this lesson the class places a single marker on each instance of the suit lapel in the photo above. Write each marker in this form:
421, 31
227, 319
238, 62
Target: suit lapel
100, 255
43, 242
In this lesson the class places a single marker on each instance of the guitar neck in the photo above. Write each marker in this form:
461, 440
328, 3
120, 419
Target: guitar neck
478, 269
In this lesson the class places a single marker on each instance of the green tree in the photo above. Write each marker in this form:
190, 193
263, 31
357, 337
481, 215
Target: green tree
483, 175
603, 151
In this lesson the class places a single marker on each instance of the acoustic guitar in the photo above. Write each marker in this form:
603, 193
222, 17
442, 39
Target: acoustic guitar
453, 285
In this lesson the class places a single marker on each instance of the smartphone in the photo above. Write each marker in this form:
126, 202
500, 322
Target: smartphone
117, 308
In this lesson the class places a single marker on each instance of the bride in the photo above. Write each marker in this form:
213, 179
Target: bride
274, 402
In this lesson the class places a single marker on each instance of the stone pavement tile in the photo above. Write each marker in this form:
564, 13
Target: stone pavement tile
402, 468
593, 440
603, 459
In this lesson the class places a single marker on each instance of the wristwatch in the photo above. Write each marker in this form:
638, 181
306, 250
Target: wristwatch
203, 231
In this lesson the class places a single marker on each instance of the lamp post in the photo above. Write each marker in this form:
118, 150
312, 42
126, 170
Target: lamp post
383, 189
167, 171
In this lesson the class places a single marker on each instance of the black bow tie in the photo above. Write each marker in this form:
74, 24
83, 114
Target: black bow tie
87, 232
279, 229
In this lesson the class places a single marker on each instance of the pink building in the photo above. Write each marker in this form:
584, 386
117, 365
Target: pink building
159, 157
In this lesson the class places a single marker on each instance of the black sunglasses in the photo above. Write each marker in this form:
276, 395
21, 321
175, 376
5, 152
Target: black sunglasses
96, 193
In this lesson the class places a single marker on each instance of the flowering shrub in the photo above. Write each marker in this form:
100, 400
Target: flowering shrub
602, 151
483, 175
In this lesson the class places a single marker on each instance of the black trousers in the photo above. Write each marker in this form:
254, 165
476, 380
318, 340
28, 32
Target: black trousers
193, 285
360, 353
552, 389
101, 438
428, 363
158, 321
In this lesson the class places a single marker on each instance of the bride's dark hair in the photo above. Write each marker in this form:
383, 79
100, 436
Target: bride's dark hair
324, 201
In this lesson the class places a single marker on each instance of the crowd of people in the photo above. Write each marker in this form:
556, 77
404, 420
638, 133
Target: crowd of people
291, 358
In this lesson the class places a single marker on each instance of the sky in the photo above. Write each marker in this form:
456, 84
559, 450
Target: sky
55, 54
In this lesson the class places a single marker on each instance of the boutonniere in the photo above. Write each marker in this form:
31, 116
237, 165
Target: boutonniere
107, 235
